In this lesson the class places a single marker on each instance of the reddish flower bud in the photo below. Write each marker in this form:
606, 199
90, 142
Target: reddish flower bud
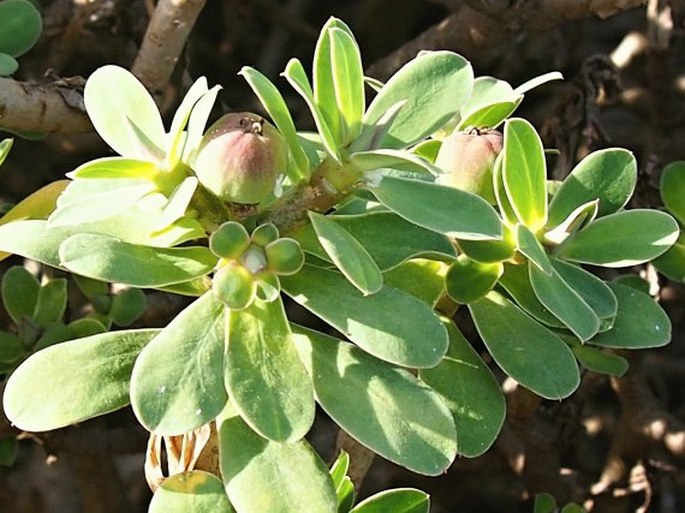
467, 160
240, 158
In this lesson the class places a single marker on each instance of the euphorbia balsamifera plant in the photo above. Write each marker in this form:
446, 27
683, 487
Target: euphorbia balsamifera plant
394, 241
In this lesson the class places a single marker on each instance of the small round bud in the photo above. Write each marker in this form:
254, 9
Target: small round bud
264, 234
240, 158
467, 160
254, 259
285, 256
234, 286
230, 241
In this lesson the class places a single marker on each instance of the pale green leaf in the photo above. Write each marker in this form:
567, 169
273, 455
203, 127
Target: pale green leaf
108, 259
348, 254
176, 136
398, 500
672, 189
195, 491
264, 376
73, 381
5, 147
391, 324
468, 280
396, 159
442, 209
384, 407
530, 247
177, 383
672, 263
348, 81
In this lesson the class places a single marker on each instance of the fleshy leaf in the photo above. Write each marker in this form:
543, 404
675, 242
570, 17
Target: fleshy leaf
592, 289
640, 322
530, 247
177, 136
52, 302
348, 254
468, 280
524, 349
250, 465
296, 76
672, 189
108, 259
177, 383
399, 500
275, 105
472, 393
73, 381
607, 175
121, 109
390, 324
442, 209
348, 81
33, 239
435, 85
5, 147
197, 121
21, 26
596, 360
191, 492
384, 407
564, 302
264, 376
492, 251
385, 158
422, 278
20, 290
524, 173
622, 239
672, 263
575, 221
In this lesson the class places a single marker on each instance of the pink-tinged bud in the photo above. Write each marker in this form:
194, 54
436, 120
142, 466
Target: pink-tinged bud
467, 160
240, 158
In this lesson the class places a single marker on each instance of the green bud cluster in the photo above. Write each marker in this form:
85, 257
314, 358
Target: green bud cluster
250, 264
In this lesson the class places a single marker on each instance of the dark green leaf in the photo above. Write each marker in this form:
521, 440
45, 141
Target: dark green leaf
607, 175
21, 26
20, 291
640, 322
622, 239
52, 302
391, 324
593, 290
400, 500
73, 381
596, 360
472, 393
177, 383
11, 347
468, 280
525, 350
672, 263
384, 407
127, 306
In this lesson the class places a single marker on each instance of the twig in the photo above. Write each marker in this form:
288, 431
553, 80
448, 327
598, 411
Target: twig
361, 458
164, 40
470, 31
54, 107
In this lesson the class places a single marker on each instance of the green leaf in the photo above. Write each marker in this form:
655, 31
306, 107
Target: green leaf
422, 278
544, 503
348, 254
73, 381
442, 209
122, 111
90, 199
524, 173
52, 302
391, 324
389, 239
399, 500
9, 448
490, 116
435, 85
472, 393
672, 189
386, 408
86, 327
275, 106
20, 291
578, 219
197, 122
114, 167
530, 247
492, 251
344, 488
593, 290
538, 81
108, 259
178, 202
250, 465
339, 469
490, 103
21, 26
564, 302
384, 158
348, 81
501, 195
5, 147
672, 263
468, 280
264, 376
177, 382
607, 175
191, 492
177, 136
8, 65
295, 75
127, 306
525, 350
622, 239
640, 322
11, 347
596, 360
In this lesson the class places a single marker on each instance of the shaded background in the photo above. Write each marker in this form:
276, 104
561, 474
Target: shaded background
617, 445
